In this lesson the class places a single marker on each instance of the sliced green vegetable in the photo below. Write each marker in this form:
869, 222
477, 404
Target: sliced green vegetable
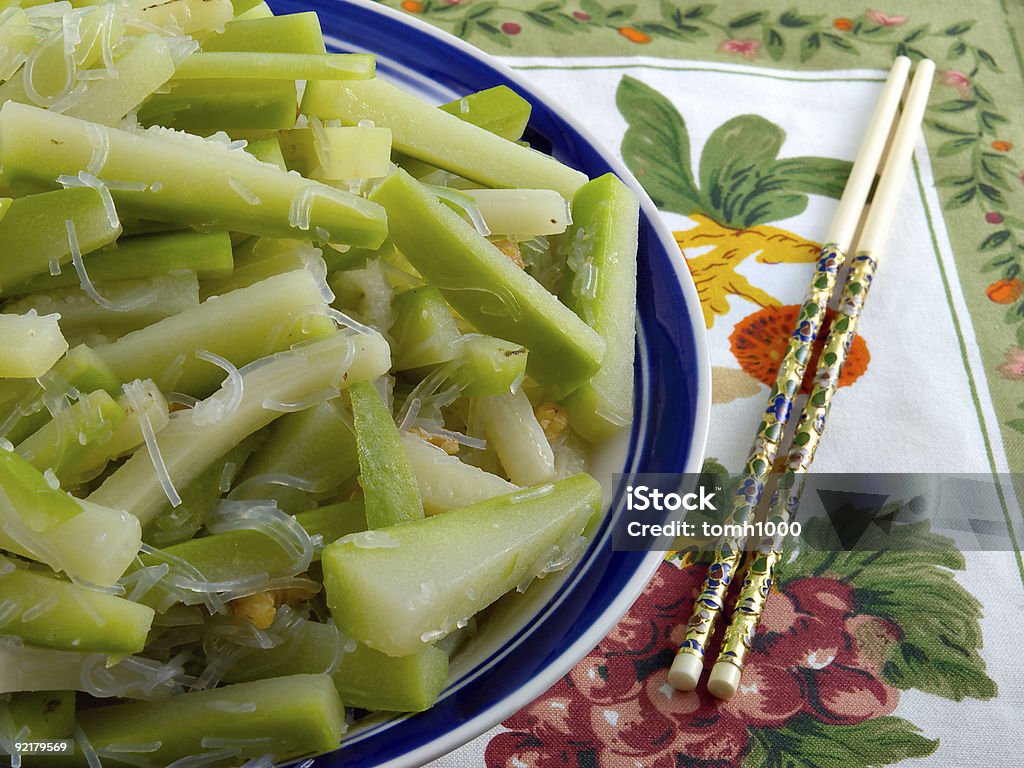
445, 482
30, 344
286, 377
601, 288
315, 447
337, 153
486, 288
204, 106
291, 33
46, 714
268, 150
243, 554
424, 330
208, 254
499, 110
187, 180
64, 444
241, 326
516, 434
389, 486
523, 213
35, 228
414, 583
278, 66
87, 541
47, 612
365, 678
437, 137
485, 366
144, 64
128, 305
285, 716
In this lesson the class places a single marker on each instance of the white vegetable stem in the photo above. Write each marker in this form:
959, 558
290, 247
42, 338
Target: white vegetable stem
445, 482
512, 428
522, 212
187, 449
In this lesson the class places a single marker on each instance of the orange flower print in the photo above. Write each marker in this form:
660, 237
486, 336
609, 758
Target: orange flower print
1005, 291
634, 35
412, 6
843, 24
1002, 146
759, 343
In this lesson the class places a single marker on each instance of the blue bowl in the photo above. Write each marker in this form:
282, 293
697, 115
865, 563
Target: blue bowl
545, 632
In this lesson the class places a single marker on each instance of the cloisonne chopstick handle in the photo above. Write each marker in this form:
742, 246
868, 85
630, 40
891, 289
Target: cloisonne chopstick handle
689, 660
757, 582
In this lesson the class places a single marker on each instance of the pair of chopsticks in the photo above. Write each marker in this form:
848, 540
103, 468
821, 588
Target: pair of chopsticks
867, 206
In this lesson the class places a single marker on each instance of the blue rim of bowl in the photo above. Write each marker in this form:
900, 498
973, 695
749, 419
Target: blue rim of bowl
672, 388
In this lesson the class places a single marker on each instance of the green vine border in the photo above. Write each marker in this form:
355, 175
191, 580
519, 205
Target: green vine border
968, 124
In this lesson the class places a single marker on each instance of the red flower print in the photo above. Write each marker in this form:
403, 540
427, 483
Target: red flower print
606, 680
812, 657
847, 696
956, 79
1013, 368
824, 598
885, 20
748, 49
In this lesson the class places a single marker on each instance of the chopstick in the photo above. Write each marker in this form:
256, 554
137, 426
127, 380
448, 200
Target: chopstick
689, 660
756, 583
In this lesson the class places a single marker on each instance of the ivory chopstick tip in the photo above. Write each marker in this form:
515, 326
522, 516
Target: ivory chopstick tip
685, 672
724, 680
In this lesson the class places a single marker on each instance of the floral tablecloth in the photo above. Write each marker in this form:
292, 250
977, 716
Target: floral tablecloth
864, 659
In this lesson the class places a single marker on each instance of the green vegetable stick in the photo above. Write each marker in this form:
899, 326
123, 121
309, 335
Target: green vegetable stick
144, 64
517, 436
243, 554
63, 444
424, 330
276, 66
81, 368
49, 613
268, 150
16, 41
87, 541
291, 33
34, 228
286, 377
30, 344
445, 482
523, 213
132, 304
46, 714
316, 445
207, 254
499, 110
601, 288
338, 153
412, 584
241, 326
485, 366
190, 17
364, 677
388, 484
285, 716
190, 181
486, 288
420, 130
205, 106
